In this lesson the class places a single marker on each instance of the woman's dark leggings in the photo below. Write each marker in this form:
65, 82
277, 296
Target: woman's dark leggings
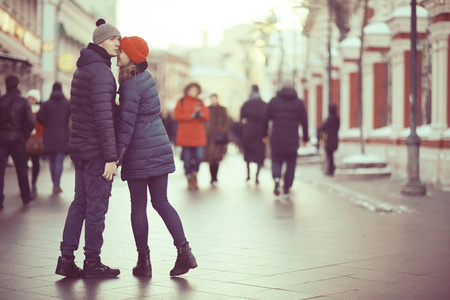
139, 222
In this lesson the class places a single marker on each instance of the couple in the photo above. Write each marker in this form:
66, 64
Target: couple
103, 138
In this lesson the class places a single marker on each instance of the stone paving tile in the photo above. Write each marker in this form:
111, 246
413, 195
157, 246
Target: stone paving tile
248, 245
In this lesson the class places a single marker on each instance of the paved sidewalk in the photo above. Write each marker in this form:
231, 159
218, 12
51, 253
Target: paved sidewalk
333, 240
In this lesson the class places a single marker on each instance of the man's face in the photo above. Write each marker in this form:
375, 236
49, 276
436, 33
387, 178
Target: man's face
111, 45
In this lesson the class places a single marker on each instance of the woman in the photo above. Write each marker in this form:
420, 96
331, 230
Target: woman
252, 118
35, 143
146, 155
217, 130
328, 132
191, 115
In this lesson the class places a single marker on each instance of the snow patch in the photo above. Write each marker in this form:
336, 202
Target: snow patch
363, 159
405, 11
382, 132
377, 28
351, 42
364, 171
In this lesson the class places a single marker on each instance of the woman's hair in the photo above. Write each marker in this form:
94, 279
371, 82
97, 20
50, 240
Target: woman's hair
191, 85
128, 71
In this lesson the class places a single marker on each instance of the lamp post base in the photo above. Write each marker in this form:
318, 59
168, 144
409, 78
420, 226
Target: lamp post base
414, 189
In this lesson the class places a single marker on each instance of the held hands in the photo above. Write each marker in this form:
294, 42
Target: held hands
110, 170
196, 108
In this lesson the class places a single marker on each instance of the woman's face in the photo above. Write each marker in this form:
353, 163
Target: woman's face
193, 92
122, 59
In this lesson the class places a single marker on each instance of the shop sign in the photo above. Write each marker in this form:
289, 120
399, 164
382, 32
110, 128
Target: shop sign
11, 27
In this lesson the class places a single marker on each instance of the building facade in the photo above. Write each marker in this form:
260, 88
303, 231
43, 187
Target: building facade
40, 41
386, 73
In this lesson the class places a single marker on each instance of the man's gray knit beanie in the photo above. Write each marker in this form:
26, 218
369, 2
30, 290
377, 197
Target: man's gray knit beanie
104, 31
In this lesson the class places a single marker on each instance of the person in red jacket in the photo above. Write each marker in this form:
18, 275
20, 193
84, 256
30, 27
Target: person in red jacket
191, 115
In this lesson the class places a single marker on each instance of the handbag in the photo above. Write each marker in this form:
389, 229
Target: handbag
220, 138
35, 145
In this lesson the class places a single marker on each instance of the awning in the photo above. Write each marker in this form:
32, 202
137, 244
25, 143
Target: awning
68, 29
14, 58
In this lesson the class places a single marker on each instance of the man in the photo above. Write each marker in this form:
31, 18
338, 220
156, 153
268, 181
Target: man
92, 148
16, 123
287, 112
54, 115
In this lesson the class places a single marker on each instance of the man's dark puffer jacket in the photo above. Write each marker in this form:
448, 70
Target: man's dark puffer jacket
92, 100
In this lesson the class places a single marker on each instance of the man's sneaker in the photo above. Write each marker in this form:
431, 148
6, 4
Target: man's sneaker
99, 270
67, 267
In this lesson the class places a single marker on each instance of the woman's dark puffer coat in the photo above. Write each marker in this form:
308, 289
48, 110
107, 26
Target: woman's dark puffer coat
142, 144
92, 100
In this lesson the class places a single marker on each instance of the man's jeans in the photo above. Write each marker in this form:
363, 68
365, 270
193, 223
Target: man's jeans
56, 166
277, 163
18, 152
90, 204
192, 157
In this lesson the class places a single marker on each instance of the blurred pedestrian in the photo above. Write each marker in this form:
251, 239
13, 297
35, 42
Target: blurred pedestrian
286, 112
191, 115
146, 155
54, 115
168, 123
252, 119
217, 132
16, 123
328, 133
92, 148
35, 144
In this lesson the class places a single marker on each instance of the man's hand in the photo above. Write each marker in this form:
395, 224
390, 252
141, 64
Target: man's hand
110, 170
265, 140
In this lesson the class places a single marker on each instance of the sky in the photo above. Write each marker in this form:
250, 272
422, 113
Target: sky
182, 22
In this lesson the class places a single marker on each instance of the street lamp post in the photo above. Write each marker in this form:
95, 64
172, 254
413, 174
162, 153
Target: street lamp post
330, 87
413, 186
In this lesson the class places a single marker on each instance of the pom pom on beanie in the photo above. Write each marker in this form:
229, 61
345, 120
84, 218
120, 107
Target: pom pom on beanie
104, 31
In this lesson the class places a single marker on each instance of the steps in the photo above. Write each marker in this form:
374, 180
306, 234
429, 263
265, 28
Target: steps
362, 166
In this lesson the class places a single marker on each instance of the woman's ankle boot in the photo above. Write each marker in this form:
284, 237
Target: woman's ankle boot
185, 261
143, 267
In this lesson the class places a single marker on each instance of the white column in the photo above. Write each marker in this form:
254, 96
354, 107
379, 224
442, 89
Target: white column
440, 33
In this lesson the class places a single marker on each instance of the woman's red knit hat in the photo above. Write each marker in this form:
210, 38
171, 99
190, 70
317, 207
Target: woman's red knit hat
135, 47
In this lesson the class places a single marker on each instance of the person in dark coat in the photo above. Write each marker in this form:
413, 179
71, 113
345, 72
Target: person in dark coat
286, 112
328, 132
35, 142
217, 132
54, 115
16, 123
252, 120
92, 148
146, 155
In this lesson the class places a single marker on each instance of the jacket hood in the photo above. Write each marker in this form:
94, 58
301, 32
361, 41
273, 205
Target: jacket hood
57, 95
287, 94
93, 53
332, 109
254, 95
